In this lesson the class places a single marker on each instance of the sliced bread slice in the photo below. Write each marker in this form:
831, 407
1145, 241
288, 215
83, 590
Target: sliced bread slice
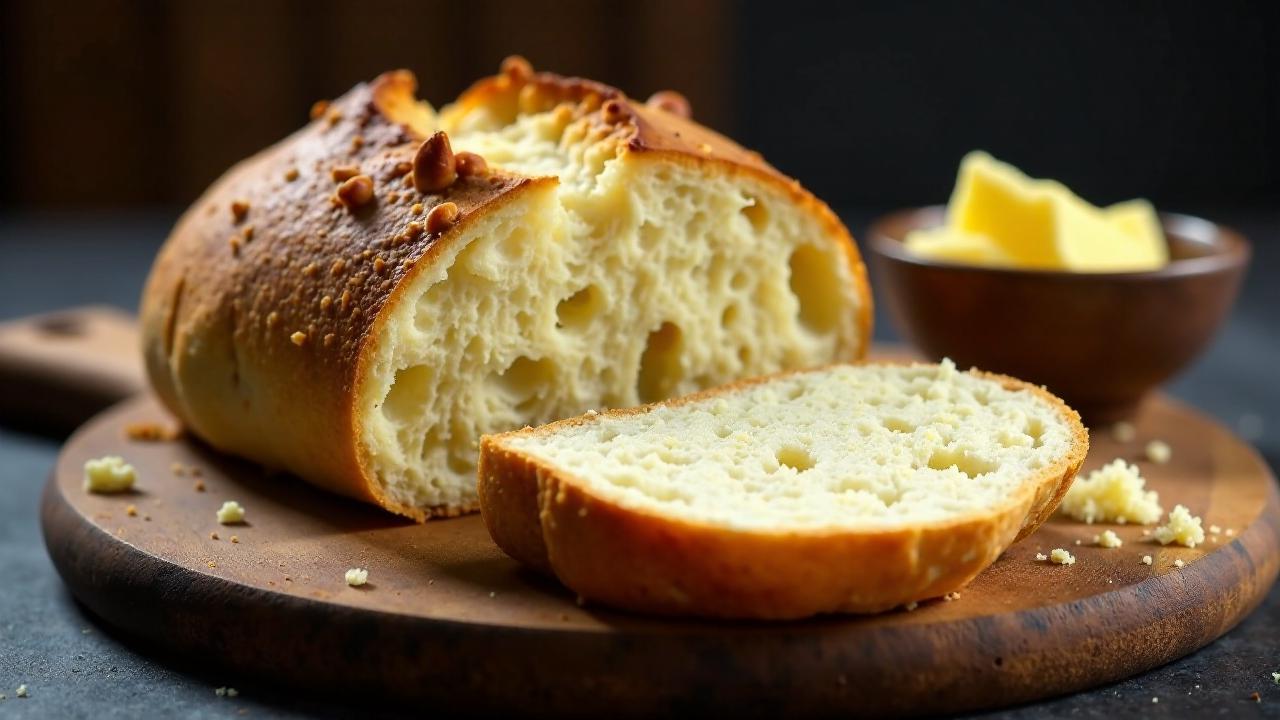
852, 488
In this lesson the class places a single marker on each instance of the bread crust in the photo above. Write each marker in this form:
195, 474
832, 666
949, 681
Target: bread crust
642, 561
261, 315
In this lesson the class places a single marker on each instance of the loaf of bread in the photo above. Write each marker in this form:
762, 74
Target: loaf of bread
854, 488
360, 302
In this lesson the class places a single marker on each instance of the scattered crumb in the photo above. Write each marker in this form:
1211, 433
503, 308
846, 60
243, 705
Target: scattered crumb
911, 606
1179, 563
235, 539
1095, 539
1276, 676
1108, 539
1116, 492
1041, 557
1146, 559
298, 338
592, 413
220, 692
149, 432
131, 510
951, 596
1255, 697
1123, 431
199, 486
177, 469
232, 692
1159, 452
213, 535
1146, 533
212, 564
196, 472
110, 474
1230, 531
147, 518
1214, 529
1182, 528
21, 691
230, 513
1062, 557
356, 577
493, 594
1155, 699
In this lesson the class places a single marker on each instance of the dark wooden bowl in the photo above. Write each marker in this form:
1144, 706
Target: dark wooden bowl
1100, 341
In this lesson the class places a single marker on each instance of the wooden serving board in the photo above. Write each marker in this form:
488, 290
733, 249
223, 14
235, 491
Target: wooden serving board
448, 621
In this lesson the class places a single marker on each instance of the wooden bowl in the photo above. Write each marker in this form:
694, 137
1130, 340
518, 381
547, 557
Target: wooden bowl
1101, 341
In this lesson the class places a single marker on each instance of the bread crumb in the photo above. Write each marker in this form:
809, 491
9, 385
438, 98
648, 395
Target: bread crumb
592, 413
951, 596
1182, 528
1179, 563
1062, 557
110, 474
1108, 539
230, 513
1155, 699
1041, 557
493, 594
1124, 431
212, 564
911, 606
149, 432
196, 472
1230, 531
235, 539
213, 535
357, 576
21, 691
1080, 543
239, 209
199, 486
1146, 560
298, 338
220, 692
1116, 492
1255, 697
177, 469
1214, 529
1159, 452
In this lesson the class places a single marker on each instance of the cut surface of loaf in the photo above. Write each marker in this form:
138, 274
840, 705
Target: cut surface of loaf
600, 252
850, 488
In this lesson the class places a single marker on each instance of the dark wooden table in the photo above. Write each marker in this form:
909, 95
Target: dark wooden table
75, 667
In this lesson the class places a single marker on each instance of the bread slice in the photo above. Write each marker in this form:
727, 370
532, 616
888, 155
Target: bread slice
346, 306
854, 488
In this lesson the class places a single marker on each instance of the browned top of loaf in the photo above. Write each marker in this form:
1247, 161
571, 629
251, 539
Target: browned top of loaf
281, 282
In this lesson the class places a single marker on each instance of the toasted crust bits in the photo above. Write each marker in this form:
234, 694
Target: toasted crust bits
356, 192
291, 174
470, 164
298, 338
150, 432
342, 173
239, 210
319, 108
441, 218
434, 165
614, 111
516, 69
672, 102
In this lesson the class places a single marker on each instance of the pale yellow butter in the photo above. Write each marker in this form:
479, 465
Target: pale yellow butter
999, 216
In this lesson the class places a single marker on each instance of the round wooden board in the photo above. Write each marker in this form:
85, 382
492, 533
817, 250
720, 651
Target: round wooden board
448, 620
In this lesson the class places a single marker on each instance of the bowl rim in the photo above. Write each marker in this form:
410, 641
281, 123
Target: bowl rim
1228, 249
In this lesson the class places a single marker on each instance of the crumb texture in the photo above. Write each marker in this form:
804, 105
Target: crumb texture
1181, 528
845, 447
1116, 492
110, 474
231, 513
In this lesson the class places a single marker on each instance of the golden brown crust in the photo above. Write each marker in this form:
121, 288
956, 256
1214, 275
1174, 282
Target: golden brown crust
548, 519
260, 306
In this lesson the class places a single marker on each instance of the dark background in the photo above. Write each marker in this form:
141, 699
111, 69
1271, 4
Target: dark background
110, 103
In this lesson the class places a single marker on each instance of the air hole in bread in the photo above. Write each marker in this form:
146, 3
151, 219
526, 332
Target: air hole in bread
409, 393
756, 214
661, 369
526, 380
739, 281
1035, 429
578, 309
969, 465
729, 316
795, 457
817, 288
897, 424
